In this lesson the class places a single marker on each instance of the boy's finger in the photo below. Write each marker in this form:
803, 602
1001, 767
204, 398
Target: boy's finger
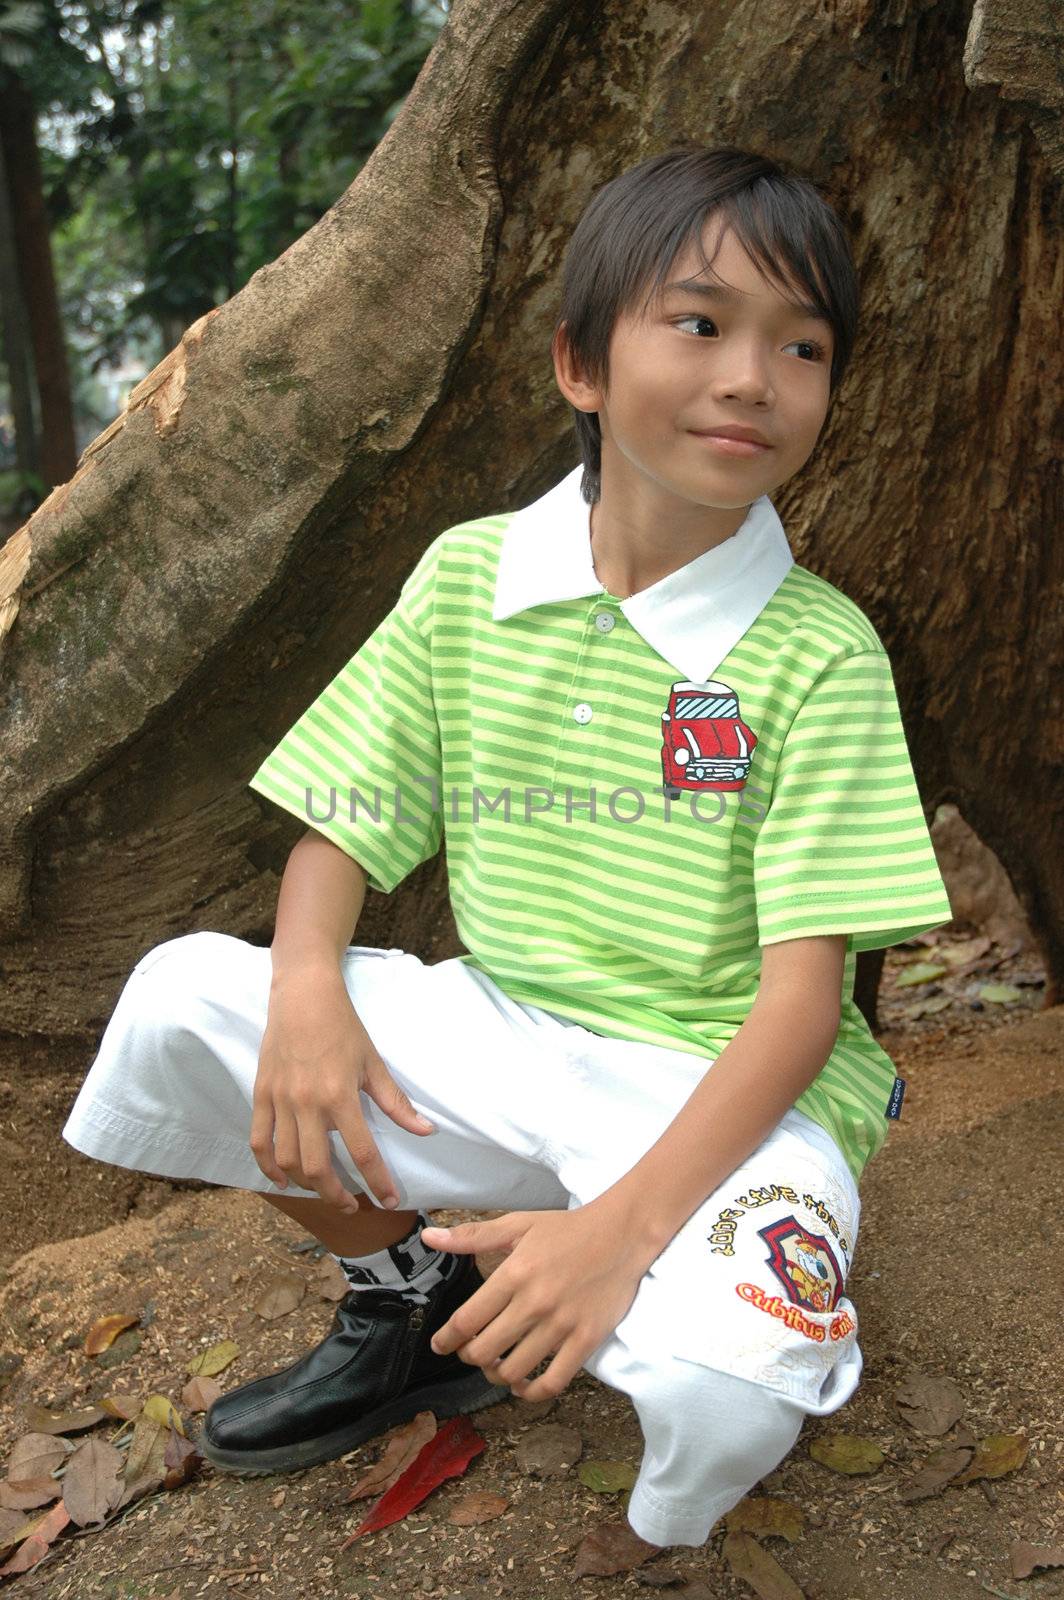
394, 1101
319, 1171
358, 1140
261, 1142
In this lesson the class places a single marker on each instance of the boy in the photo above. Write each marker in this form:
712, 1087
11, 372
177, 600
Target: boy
671, 773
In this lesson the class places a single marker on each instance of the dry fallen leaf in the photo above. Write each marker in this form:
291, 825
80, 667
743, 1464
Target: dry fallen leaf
659, 1578
14, 1526
41, 1420
959, 955
446, 1455
940, 1468
161, 1409
760, 1514
145, 1453
181, 1459
996, 1455
35, 1547
402, 1445
549, 1451
330, 1279
103, 1333
123, 1406
199, 1394
213, 1360
928, 1403
515, 1413
1025, 1557
280, 1295
92, 1483
607, 1477
757, 1567
479, 1506
846, 1452
36, 1455
999, 994
29, 1493
611, 1547
920, 972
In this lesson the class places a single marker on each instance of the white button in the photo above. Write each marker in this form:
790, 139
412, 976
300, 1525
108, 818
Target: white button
604, 621
582, 712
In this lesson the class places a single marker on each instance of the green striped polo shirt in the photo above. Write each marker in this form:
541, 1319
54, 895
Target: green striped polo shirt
635, 794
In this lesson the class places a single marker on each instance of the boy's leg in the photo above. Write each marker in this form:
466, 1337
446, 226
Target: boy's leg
371, 1229
171, 1088
740, 1328
171, 1091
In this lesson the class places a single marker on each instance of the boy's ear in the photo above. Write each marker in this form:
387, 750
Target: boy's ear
569, 376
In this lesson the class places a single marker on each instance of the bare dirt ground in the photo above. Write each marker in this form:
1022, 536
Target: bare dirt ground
956, 1273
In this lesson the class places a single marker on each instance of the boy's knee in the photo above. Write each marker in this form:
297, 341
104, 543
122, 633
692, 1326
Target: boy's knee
170, 980
183, 950
750, 1426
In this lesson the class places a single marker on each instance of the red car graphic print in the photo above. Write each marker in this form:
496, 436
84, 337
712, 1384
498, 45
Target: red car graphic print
705, 744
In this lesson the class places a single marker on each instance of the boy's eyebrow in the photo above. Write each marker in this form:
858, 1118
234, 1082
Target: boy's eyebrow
731, 297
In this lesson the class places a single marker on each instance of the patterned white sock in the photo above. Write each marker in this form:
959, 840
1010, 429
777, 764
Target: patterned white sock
408, 1265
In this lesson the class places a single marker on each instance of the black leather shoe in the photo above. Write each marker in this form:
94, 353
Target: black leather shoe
374, 1369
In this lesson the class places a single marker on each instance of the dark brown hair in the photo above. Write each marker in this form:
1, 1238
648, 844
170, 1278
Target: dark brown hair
633, 228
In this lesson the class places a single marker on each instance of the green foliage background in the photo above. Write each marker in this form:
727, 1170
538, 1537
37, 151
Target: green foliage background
185, 143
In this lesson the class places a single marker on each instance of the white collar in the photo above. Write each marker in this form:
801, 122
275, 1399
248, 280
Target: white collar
692, 617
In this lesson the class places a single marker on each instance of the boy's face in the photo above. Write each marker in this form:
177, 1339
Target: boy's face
696, 362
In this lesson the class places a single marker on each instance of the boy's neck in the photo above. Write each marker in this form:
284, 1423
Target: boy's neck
640, 531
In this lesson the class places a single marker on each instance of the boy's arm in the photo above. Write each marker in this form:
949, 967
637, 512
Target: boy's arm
321, 898
782, 1044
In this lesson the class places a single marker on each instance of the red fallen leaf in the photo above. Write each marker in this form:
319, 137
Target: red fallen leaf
447, 1453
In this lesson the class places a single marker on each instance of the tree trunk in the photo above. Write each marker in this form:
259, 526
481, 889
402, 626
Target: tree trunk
232, 538
14, 340
33, 243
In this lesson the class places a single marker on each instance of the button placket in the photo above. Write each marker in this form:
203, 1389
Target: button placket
576, 762
583, 710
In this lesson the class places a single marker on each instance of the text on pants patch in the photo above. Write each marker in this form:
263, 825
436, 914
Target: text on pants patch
722, 1231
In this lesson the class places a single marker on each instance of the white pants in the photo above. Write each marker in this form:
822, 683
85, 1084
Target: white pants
738, 1329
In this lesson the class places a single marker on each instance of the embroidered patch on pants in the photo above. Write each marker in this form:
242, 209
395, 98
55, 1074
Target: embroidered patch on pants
804, 1263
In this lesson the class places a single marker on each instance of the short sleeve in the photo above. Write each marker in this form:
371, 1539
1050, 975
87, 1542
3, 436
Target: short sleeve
843, 846
362, 764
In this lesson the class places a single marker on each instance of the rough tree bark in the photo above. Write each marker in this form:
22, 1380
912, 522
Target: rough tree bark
230, 540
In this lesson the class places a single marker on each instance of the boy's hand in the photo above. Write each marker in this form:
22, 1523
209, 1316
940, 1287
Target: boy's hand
314, 1059
569, 1279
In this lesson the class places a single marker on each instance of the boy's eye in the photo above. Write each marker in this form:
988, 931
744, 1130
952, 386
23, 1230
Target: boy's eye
809, 344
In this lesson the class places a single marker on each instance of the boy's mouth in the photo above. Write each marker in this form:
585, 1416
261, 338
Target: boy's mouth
730, 445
